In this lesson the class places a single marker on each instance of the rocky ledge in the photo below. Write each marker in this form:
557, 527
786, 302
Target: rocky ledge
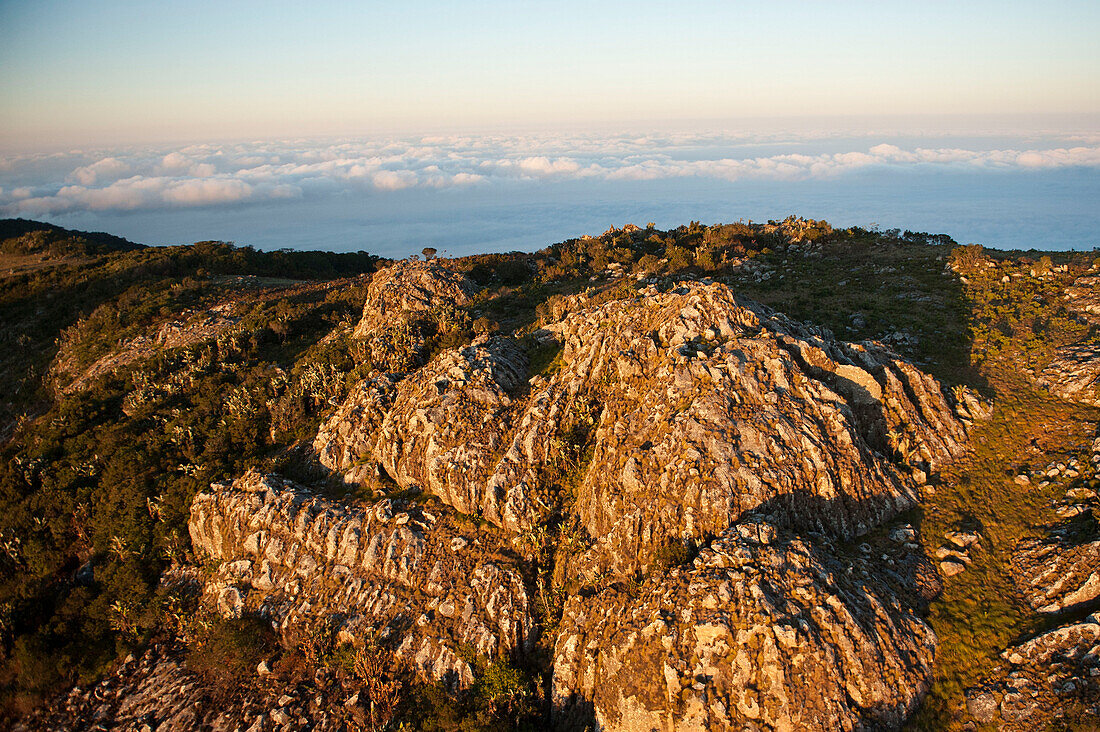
1074, 372
404, 304
392, 570
1055, 674
686, 475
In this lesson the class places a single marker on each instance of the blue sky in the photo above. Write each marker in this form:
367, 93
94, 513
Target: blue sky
120, 71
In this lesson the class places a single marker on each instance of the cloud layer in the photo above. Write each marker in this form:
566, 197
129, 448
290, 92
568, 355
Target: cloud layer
224, 175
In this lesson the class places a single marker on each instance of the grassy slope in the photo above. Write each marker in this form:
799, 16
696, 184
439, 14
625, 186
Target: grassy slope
980, 611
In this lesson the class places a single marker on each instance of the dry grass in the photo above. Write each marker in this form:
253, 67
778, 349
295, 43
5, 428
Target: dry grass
980, 611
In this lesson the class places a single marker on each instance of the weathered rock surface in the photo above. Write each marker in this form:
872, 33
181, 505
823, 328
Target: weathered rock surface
1060, 570
157, 691
1074, 374
441, 428
694, 408
671, 420
409, 288
764, 630
403, 302
1051, 676
1083, 298
152, 692
392, 569
1056, 574
1056, 674
711, 408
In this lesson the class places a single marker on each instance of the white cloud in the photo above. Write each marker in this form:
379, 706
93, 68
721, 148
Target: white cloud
105, 169
212, 175
206, 192
542, 165
394, 180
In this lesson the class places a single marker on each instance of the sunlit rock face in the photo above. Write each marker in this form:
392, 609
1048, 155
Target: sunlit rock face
405, 302
763, 630
708, 455
392, 569
692, 408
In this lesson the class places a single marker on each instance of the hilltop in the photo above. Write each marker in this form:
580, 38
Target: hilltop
772, 474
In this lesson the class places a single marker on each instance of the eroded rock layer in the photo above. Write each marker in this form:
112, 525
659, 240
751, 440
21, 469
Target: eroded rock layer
1083, 297
1055, 574
410, 288
667, 421
764, 630
442, 428
689, 407
391, 569
1074, 374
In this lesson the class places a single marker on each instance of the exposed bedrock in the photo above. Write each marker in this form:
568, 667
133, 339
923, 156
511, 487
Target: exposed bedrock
1074, 374
689, 407
764, 630
1053, 677
1055, 574
411, 577
405, 303
410, 288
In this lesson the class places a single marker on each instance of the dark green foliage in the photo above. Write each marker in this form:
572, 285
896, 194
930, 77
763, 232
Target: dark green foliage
20, 236
226, 652
669, 555
102, 480
503, 697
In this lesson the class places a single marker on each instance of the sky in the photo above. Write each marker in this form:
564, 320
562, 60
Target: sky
121, 71
479, 126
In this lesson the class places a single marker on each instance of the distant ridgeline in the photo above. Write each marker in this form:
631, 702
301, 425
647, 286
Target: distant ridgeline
21, 236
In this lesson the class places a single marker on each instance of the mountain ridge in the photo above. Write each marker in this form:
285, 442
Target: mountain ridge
631, 424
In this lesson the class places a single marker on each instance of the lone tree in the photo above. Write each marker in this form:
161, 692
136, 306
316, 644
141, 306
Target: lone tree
428, 253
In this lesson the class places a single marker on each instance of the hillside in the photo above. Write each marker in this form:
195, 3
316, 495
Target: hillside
773, 475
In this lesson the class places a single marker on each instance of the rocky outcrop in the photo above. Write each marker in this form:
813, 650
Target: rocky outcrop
152, 692
410, 288
1053, 676
1057, 574
671, 420
404, 301
392, 569
158, 691
710, 408
673, 413
441, 428
763, 630
1083, 297
1060, 570
1074, 374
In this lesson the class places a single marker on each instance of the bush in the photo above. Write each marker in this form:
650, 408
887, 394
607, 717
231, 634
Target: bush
228, 651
